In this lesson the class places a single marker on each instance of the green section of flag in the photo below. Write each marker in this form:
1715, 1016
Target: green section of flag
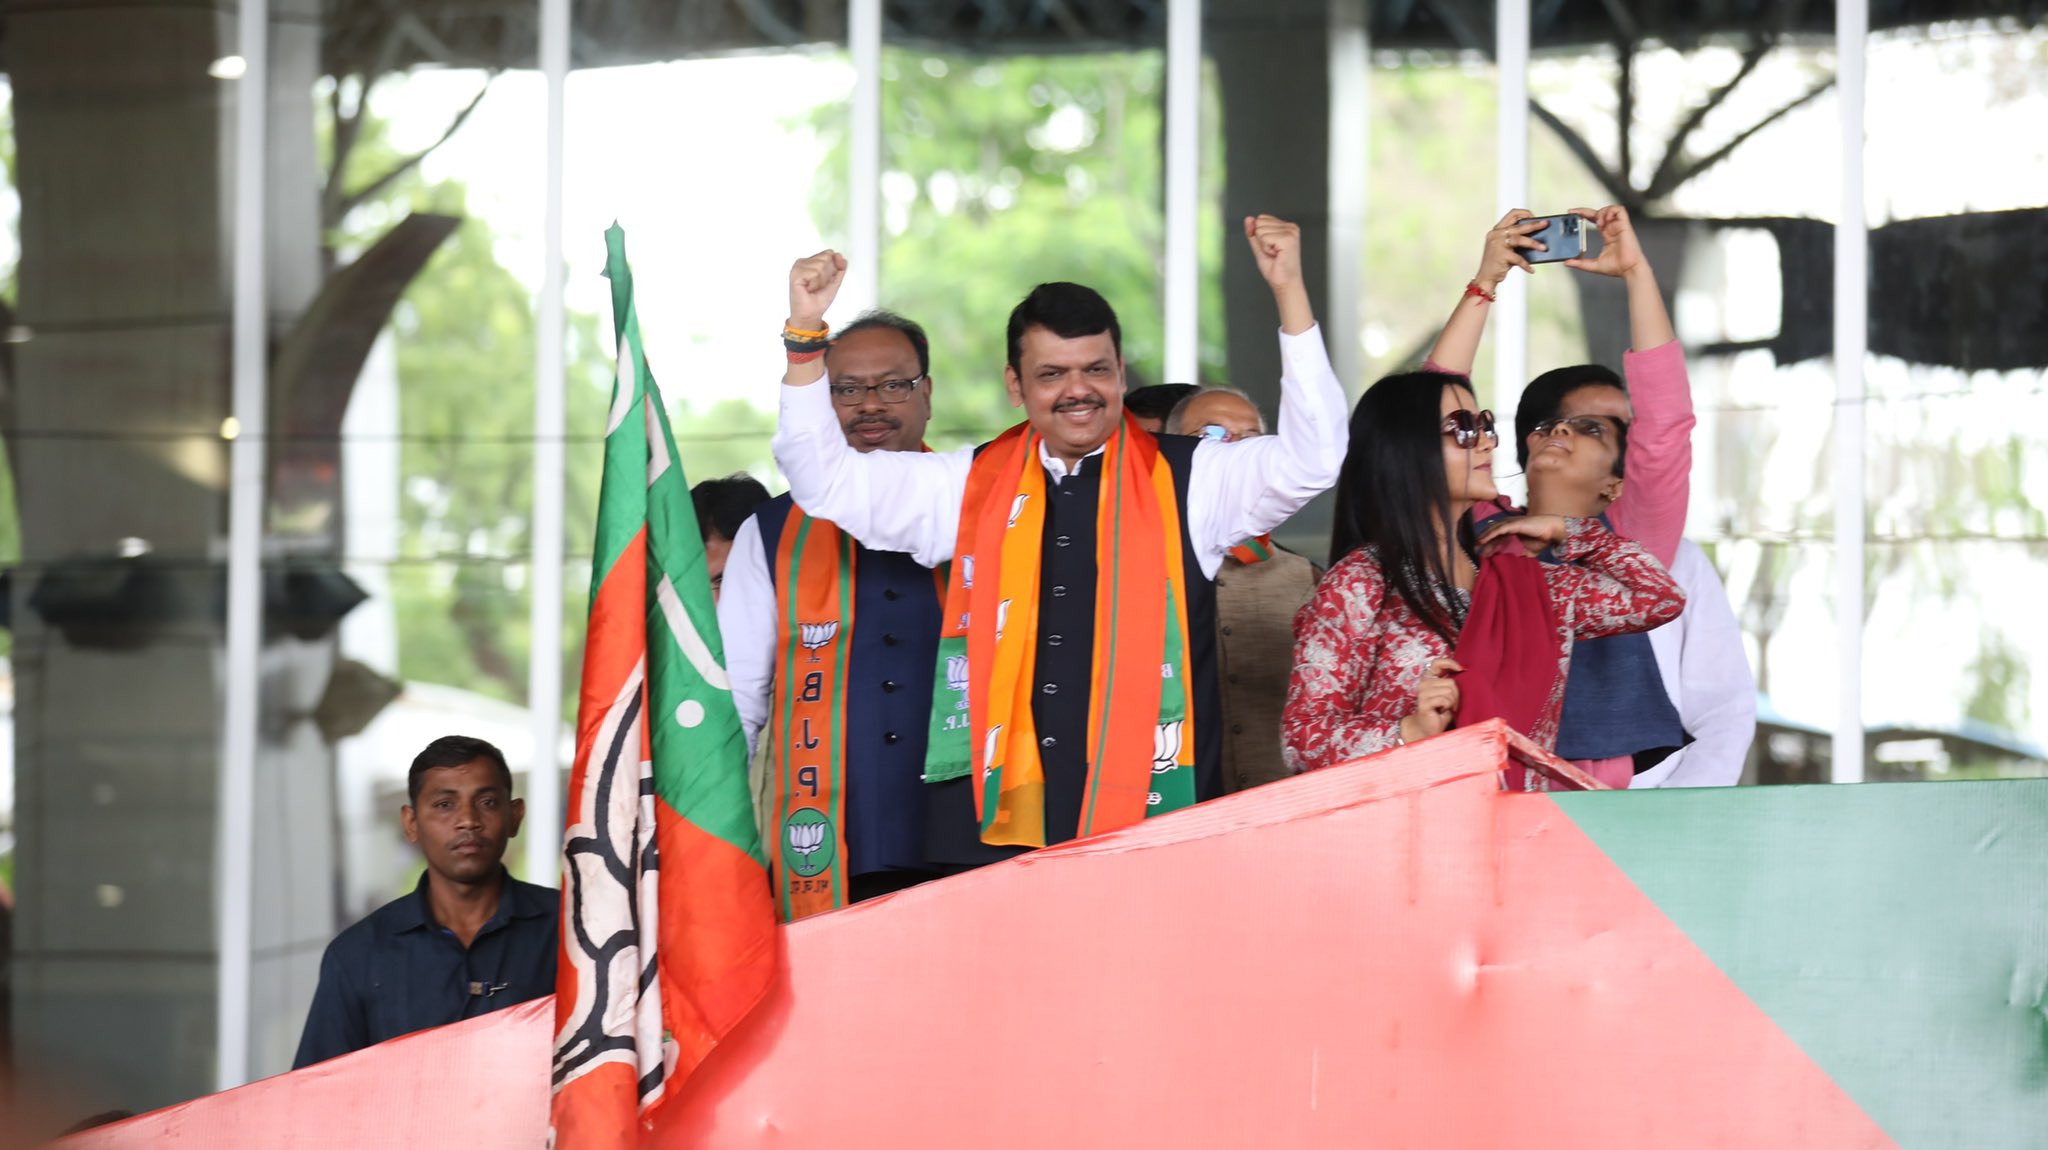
700, 752
1897, 932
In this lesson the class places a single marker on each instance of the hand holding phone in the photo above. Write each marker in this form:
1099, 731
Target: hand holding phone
1563, 238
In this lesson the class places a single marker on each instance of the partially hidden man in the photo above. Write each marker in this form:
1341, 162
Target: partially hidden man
468, 940
831, 645
1075, 689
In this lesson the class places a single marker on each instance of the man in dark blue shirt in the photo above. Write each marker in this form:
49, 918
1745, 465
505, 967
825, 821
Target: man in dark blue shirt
468, 940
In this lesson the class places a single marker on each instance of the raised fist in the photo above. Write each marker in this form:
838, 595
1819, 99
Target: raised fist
1276, 245
813, 283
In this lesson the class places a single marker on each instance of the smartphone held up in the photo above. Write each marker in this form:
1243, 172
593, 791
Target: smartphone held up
1563, 236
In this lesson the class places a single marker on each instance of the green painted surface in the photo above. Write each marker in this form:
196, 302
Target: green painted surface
1898, 932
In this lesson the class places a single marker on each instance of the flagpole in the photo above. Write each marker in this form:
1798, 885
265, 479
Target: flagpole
235, 891
550, 424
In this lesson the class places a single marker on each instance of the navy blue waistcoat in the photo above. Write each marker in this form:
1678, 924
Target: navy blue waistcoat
888, 698
1062, 666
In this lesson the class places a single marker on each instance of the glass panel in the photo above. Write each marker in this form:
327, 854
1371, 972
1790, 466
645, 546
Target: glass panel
1033, 153
1954, 181
714, 214
1378, 101
1722, 140
404, 231
116, 271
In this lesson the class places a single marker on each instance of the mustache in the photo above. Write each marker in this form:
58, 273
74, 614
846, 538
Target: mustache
1077, 403
876, 421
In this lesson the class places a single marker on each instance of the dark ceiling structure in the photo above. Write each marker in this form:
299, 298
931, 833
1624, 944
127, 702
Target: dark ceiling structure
374, 35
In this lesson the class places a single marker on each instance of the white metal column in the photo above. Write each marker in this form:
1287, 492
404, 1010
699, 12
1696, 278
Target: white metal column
1350, 170
550, 423
1852, 302
1183, 270
862, 289
235, 842
1510, 319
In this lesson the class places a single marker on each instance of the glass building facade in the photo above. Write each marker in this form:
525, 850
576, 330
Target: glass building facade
306, 353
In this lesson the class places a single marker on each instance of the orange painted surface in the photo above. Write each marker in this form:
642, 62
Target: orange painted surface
1388, 954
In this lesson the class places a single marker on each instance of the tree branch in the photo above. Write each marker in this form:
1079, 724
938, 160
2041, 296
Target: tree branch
1617, 187
1722, 152
1675, 148
347, 129
355, 198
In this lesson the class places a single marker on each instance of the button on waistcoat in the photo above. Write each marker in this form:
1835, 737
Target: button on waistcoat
888, 700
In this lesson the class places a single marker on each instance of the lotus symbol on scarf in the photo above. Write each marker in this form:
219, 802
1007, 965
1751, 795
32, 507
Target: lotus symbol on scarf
1002, 617
967, 572
1017, 508
956, 676
816, 635
1166, 747
806, 838
989, 746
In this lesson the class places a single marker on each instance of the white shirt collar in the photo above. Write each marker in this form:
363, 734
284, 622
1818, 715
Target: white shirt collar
1058, 469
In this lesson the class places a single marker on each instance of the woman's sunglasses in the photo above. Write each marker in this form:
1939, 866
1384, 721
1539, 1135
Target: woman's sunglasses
1465, 428
1585, 426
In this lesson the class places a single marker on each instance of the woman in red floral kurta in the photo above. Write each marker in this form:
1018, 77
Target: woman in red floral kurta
1372, 648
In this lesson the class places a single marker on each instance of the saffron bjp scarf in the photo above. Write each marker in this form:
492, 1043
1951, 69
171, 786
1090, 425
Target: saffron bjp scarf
1509, 649
814, 566
1140, 737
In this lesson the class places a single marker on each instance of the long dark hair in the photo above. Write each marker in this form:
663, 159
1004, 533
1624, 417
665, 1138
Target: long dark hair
1391, 493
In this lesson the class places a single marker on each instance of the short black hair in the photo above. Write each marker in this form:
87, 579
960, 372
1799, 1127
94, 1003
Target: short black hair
723, 504
1158, 400
1069, 311
909, 329
453, 751
1545, 396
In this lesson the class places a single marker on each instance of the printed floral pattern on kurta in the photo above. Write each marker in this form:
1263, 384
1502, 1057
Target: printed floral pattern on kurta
1360, 651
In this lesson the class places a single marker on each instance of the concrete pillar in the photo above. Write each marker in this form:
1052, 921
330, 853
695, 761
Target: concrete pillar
1272, 67
125, 151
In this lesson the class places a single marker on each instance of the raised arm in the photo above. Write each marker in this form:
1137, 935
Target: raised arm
889, 500
1238, 490
1652, 506
1602, 583
1457, 346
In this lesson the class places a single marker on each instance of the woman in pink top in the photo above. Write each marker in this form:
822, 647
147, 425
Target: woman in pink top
1646, 503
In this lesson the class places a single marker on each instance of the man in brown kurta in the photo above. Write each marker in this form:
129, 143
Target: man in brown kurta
1258, 590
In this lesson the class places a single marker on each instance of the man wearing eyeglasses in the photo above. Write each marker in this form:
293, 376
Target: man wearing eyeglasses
831, 648
1258, 589
1079, 688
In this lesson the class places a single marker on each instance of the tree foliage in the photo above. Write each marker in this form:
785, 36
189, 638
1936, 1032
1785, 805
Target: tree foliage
999, 174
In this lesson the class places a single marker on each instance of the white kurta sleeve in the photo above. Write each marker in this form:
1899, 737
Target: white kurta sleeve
1706, 672
888, 500
1243, 489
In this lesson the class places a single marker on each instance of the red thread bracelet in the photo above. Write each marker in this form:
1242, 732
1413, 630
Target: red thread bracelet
1472, 288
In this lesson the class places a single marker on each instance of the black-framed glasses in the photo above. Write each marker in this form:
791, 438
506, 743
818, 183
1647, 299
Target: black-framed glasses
891, 391
1465, 427
1592, 427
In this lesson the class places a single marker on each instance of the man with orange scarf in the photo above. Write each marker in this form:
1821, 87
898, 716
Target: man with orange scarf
1075, 683
830, 648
